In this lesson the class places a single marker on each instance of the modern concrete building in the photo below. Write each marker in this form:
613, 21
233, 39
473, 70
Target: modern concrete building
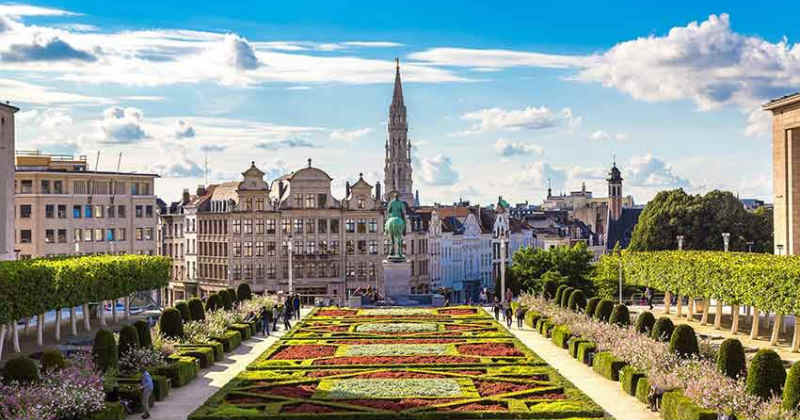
7, 140
63, 208
786, 172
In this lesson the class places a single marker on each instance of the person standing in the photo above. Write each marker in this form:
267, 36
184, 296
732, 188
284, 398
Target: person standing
296, 303
648, 293
147, 391
287, 316
520, 316
275, 315
496, 308
509, 316
266, 319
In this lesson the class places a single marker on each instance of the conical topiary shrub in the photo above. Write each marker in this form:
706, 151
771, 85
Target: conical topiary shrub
565, 296
213, 302
791, 390
559, 291
684, 341
591, 305
183, 309
730, 359
171, 323
232, 294
766, 375
662, 329
577, 300
104, 350
549, 289
128, 339
52, 359
243, 292
644, 323
620, 315
21, 369
143, 330
227, 299
603, 310
196, 309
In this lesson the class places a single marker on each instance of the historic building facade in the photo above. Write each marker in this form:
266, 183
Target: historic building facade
786, 172
7, 152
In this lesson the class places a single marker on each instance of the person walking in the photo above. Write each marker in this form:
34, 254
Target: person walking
287, 317
496, 308
147, 391
296, 303
509, 316
266, 319
648, 293
520, 316
275, 315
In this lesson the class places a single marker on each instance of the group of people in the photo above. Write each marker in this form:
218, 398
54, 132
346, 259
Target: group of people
505, 309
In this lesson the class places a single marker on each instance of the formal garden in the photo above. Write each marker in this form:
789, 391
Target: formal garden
425, 363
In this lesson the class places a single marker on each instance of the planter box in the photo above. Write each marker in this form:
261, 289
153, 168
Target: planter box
629, 377
643, 390
607, 365
572, 346
110, 411
676, 406
531, 318
560, 335
584, 350
217, 347
180, 370
244, 330
204, 355
230, 340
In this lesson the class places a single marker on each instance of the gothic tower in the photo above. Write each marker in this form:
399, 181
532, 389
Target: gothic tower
614, 193
397, 171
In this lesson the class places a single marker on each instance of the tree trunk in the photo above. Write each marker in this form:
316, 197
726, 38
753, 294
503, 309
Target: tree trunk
39, 330
795, 338
2, 339
114, 310
735, 319
72, 321
127, 307
754, 326
58, 325
690, 312
17, 349
101, 313
667, 302
706, 304
776, 329
679, 306
86, 322
718, 316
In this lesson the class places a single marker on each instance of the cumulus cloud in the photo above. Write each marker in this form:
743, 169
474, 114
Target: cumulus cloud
239, 53
123, 125
276, 169
602, 135
529, 118
438, 170
44, 48
49, 118
182, 168
650, 171
183, 130
291, 143
511, 148
536, 175
350, 135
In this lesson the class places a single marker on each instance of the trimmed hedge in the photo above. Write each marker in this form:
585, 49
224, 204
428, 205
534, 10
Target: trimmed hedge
643, 390
584, 349
565, 294
183, 309
591, 305
171, 323
104, 350
549, 289
204, 355
607, 365
766, 375
243, 292
230, 340
111, 411
213, 302
573, 344
684, 341
662, 329
21, 369
52, 359
180, 370
559, 292
791, 390
216, 347
603, 310
629, 377
227, 298
31, 287
676, 406
531, 317
731, 361
196, 309
644, 323
245, 330
143, 330
128, 339
620, 316
577, 300
560, 335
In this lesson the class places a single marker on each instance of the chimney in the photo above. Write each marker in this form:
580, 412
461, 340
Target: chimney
186, 196
378, 191
201, 190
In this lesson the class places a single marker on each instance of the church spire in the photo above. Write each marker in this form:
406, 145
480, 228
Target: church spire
397, 97
397, 169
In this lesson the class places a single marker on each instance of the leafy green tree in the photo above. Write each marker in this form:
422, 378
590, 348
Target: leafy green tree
529, 265
701, 220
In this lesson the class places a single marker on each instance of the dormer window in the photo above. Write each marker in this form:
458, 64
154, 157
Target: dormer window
311, 201
361, 203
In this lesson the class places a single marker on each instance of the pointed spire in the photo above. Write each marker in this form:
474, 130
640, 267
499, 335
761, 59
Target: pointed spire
397, 98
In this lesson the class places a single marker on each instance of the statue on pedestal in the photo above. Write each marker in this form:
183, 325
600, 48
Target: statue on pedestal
395, 226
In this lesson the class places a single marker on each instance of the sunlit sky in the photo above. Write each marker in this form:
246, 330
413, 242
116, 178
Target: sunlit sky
501, 97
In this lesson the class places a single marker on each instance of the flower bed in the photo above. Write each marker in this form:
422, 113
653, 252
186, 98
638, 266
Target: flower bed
398, 375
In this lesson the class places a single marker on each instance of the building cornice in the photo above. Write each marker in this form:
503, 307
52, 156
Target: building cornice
781, 102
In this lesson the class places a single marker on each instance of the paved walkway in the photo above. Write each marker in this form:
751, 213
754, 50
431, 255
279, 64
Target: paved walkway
184, 400
608, 394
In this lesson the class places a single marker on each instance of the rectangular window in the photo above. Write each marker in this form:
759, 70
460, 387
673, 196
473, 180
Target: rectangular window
121, 234
110, 211
45, 187
373, 247
298, 201
259, 204
26, 187
271, 271
98, 235
25, 211
79, 187
237, 226
334, 225
322, 199
322, 226
311, 248
297, 248
49, 236
323, 247
62, 236
25, 236
248, 249
362, 247
259, 271
259, 249
76, 235
271, 226
235, 272
237, 249
271, 249
139, 234
362, 226
98, 212
134, 188
87, 235
119, 188
310, 201
248, 226
373, 226
139, 211
310, 225
87, 211
58, 187
110, 235
259, 226
49, 211
148, 211
350, 226
298, 225
349, 247
62, 211
334, 248
286, 225
148, 234
372, 271
121, 211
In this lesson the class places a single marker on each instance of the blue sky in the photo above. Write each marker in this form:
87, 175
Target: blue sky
500, 99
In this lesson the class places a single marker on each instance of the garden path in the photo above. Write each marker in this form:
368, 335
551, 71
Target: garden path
184, 400
608, 394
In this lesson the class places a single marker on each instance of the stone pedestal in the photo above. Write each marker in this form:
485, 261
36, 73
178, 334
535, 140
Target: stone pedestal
397, 279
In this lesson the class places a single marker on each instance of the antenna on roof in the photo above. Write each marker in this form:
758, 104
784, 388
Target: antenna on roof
97, 162
119, 161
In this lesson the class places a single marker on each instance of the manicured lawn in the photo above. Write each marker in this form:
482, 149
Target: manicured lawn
416, 363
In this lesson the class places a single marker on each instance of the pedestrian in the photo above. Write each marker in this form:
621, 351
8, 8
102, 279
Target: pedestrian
266, 319
520, 316
496, 308
297, 306
509, 316
287, 316
275, 315
648, 293
147, 391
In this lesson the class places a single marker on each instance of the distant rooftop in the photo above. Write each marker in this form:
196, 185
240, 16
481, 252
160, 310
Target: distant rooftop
38, 161
782, 101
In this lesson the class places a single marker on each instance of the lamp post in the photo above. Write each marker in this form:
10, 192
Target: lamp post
726, 240
750, 246
680, 242
291, 288
503, 246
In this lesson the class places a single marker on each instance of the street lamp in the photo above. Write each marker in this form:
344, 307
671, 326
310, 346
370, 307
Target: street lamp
680, 242
290, 264
750, 246
726, 240
503, 246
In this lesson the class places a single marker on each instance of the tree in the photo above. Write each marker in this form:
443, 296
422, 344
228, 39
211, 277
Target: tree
574, 263
701, 220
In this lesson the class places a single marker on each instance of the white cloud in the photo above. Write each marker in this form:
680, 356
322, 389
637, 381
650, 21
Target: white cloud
291, 143
602, 135
44, 47
536, 175
650, 171
497, 59
530, 118
239, 53
511, 148
351, 135
183, 167
29, 93
438, 171
183, 129
122, 125
372, 44
49, 118
17, 10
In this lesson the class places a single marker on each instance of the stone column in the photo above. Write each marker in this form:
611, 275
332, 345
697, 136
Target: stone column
73, 321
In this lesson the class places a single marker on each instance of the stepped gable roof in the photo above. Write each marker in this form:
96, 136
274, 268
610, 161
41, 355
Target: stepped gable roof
621, 230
